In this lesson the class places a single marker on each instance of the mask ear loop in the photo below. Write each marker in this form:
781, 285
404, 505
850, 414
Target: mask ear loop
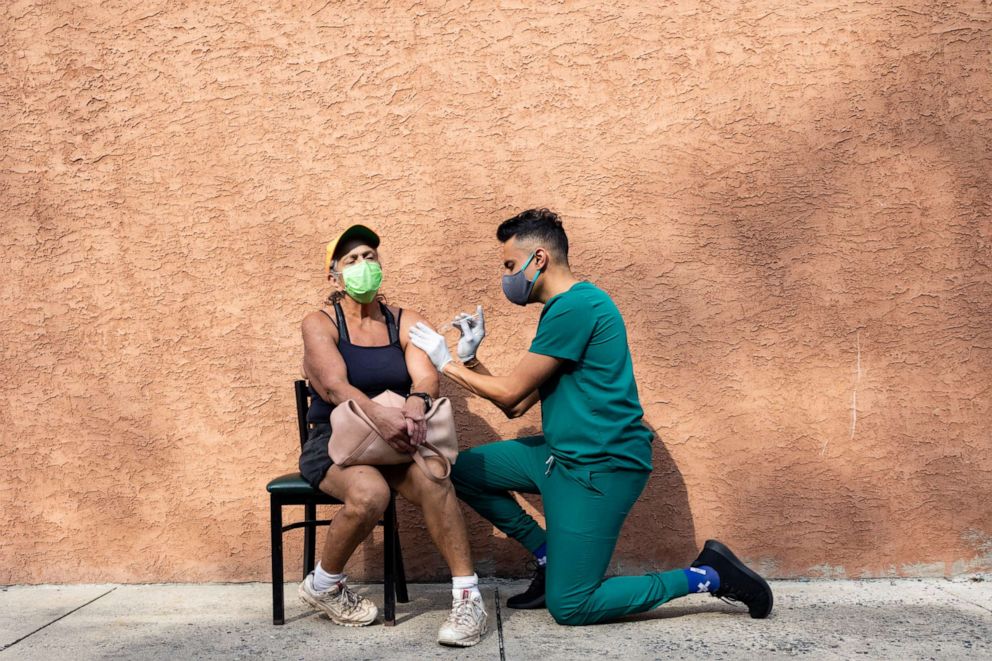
536, 275
527, 263
530, 283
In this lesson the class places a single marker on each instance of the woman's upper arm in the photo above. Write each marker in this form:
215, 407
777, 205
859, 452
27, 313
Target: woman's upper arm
419, 366
322, 361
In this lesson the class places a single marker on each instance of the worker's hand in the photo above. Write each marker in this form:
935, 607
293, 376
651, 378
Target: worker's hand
416, 423
473, 328
432, 343
392, 424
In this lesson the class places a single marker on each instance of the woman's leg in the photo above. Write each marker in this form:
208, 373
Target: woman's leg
442, 513
365, 495
467, 622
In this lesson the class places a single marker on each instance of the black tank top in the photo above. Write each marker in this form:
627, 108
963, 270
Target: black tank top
373, 370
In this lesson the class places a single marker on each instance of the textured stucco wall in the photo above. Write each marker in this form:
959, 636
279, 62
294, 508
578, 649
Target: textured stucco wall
790, 203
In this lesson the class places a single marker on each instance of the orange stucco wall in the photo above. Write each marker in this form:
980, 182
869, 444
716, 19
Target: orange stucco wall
789, 202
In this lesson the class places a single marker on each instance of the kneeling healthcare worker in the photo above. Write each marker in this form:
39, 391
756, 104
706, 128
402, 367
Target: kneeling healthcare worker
594, 457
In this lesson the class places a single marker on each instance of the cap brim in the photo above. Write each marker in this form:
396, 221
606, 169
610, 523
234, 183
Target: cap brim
359, 232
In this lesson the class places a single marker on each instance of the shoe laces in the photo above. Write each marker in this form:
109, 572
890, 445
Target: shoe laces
348, 598
535, 568
463, 612
728, 599
736, 598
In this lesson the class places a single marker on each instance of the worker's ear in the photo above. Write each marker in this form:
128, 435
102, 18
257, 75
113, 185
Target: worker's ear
542, 258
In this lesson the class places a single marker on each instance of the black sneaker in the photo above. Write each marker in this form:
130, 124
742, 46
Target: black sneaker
533, 597
737, 582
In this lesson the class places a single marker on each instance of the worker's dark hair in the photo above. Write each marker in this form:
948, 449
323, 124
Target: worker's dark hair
541, 225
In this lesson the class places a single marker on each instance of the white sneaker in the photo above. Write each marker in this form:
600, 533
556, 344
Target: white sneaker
339, 603
466, 624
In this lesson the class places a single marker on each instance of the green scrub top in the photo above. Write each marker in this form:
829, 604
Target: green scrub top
589, 408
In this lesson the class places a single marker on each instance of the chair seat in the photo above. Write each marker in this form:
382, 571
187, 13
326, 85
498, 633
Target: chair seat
291, 483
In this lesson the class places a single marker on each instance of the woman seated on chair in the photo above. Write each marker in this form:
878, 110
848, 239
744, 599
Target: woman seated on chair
357, 347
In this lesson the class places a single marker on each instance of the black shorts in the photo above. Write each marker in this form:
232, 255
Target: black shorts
314, 460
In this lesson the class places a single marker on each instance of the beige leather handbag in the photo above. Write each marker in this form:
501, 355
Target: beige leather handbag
356, 441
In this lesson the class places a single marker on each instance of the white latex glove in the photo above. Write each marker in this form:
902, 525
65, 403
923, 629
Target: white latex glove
432, 343
473, 332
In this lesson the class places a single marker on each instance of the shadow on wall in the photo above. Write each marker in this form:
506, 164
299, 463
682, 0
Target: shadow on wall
493, 553
661, 520
817, 245
659, 531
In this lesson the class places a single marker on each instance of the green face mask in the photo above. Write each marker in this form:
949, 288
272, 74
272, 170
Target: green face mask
362, 280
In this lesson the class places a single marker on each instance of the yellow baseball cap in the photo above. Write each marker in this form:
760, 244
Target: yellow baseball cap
354, 232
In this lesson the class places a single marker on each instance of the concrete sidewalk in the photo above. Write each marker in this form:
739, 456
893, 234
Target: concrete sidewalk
890, 619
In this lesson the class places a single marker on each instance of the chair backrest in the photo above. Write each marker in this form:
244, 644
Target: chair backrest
302, 405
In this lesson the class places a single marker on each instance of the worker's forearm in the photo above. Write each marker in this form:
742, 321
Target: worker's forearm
510, 411
500, 390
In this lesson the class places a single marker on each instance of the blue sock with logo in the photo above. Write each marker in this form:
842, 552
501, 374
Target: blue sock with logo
702, 579
541, 554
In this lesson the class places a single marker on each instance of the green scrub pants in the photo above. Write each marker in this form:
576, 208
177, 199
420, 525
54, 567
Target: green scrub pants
584, 511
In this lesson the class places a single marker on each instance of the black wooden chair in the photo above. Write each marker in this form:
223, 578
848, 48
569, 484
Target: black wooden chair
292, 489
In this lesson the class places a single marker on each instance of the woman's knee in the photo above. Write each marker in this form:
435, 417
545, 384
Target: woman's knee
427, 489
369, 498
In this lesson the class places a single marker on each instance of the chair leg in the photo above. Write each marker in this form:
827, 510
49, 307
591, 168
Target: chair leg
275, 515
309, 539
389, 562
402, 595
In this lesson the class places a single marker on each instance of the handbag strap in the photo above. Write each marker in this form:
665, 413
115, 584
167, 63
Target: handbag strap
418, 458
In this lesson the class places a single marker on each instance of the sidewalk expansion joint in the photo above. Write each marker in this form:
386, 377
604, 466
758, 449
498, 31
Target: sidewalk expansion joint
9, 645
499, 627
967, 601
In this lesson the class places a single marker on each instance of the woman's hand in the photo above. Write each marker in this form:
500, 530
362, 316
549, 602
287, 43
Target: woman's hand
392, 424
416, 423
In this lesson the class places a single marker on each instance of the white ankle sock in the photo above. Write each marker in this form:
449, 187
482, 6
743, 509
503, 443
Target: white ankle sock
461, 583
323, 581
